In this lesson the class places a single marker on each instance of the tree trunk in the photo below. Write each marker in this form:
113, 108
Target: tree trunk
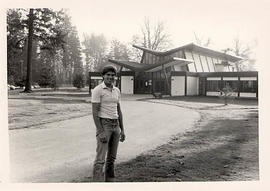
29, 52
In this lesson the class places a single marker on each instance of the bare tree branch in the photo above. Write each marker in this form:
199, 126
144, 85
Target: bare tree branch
154, 36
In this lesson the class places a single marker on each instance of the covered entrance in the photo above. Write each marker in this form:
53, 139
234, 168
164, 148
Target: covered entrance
150, 82
152, 77
143, 83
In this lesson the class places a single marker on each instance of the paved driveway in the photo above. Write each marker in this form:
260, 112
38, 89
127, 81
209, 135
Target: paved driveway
64, 151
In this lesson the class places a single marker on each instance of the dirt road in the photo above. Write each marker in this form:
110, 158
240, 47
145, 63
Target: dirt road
64, 151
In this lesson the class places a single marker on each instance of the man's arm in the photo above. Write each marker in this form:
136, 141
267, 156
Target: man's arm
122, 134
100, 130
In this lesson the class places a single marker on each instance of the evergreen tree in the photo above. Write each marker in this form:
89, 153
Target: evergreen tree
16, 40
118, 50
72, 58
29, 26
95, 49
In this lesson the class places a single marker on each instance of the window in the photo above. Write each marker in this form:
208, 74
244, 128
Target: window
232, 84
213, 85
248, 86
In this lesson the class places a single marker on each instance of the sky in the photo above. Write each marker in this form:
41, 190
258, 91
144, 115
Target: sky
221, 21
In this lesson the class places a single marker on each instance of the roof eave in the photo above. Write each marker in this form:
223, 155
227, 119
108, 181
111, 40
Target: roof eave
173, 59
127, 66
157, 53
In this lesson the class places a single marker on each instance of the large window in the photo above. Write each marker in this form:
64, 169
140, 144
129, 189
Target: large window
213, 85
248, 86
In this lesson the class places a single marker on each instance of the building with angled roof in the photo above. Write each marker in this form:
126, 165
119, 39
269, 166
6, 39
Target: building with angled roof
187, 70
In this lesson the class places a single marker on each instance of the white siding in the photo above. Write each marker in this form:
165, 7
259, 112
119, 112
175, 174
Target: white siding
178, 85
197, 62
177, 67
204, 64
211, 65
191, 66
127, 84
192, 85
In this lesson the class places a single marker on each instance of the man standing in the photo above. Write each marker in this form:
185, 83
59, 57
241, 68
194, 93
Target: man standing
109, 124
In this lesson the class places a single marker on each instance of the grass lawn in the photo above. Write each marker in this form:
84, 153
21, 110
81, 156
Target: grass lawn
223, 146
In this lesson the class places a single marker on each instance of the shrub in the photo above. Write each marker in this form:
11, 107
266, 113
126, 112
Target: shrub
46, 77
78, 81
227, 93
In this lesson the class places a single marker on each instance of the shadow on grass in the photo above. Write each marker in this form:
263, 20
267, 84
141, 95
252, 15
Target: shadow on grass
216, 152
222, 150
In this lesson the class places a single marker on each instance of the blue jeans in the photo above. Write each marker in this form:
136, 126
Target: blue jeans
112, 131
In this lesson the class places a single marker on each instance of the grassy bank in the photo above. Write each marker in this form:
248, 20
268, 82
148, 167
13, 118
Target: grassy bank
223, 147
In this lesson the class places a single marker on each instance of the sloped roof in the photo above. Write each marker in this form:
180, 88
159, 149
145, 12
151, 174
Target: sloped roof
135, 66
192, 47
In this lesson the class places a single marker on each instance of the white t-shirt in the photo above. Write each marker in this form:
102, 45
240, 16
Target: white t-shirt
108, 99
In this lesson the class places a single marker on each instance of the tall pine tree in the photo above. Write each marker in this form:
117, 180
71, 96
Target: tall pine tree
40, 25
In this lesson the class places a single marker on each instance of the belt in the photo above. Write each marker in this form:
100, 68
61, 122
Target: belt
110, 120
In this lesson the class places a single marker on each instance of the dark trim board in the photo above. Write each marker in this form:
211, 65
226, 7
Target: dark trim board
228, 74
192, 74
178, 73
127, 73
183, 73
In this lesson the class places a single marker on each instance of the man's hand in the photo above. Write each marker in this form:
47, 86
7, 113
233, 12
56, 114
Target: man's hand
102, 137
122, 136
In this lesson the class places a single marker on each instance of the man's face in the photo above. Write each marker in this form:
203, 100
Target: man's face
109, 78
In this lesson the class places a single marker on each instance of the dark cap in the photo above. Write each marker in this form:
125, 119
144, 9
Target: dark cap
108, 68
